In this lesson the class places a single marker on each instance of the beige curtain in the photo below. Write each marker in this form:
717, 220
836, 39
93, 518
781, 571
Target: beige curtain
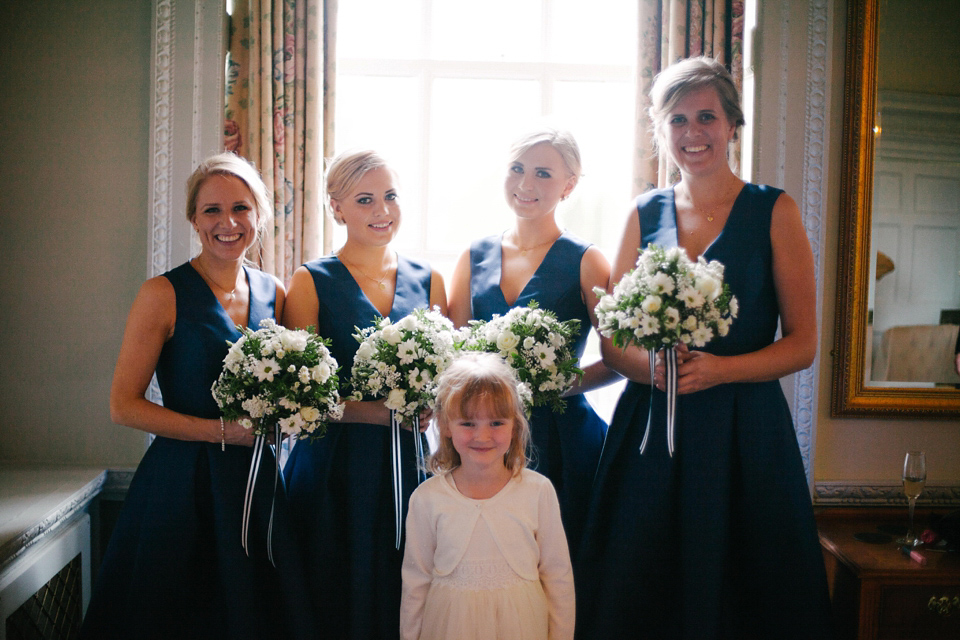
274, 116
671, 30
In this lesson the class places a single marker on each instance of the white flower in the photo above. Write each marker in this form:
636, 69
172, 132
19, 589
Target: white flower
408, 350
709, 287
545, 354
266, 369
702, 335
396, 399
690, 323
691, 297
294, 340
246, 423
651, 304
734, 307
649, 325
418, 378
507, 341
310, 414
392, 334
407, 323
662, 283
671, 318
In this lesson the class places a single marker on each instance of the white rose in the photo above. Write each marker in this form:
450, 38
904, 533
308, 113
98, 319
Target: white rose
294, 340
395, 399
310, 414
392, 334
365, 351
507, 341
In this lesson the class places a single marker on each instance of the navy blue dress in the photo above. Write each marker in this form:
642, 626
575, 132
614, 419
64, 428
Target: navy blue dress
175, 566
341, 485
720, 540
567, 445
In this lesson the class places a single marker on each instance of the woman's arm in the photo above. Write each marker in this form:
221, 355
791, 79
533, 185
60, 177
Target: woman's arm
633, 362
149, 326
793, 276
461, 310
438, 292
594, 272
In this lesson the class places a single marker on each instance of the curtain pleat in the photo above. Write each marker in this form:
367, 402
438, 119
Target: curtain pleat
671, 30
274, 117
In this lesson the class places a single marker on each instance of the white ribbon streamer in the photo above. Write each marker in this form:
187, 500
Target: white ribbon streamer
398, 506
670, 360
259, 443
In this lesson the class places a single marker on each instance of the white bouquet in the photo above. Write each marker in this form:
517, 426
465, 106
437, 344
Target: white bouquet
400, 361
666, 300
537, 346
278, 377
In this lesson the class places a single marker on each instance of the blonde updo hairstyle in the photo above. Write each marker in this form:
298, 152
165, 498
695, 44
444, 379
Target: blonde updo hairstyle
230, 164
345, 171
471, 381
685, 76
560, 139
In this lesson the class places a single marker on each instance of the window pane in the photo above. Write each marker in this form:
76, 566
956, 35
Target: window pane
472, 125
502, 30
595, 32
384, 114
388, 29
599, 115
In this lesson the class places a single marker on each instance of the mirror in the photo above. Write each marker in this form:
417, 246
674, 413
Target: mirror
898, 287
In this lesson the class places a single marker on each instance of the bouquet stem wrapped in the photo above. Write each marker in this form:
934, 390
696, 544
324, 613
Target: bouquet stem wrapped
664, 301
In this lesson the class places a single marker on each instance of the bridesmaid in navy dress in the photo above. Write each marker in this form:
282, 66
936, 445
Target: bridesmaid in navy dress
341, 486
175, 566
537, 260
718, 541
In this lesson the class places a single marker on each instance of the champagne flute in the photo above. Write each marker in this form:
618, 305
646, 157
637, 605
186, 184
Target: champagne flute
914, 479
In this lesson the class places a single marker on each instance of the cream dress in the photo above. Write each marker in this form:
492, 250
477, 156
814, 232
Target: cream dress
481, 569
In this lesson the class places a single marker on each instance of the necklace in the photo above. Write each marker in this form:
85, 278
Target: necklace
226, 294
524, 250
380, 281
713, 212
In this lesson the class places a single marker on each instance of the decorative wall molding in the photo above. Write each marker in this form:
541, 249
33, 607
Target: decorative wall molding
885, 495
161, 139
811, 207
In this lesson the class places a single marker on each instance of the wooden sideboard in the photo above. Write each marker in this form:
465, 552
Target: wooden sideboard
877, 592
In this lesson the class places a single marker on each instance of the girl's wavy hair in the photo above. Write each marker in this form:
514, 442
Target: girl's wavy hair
230, 164
471, 381
685, 76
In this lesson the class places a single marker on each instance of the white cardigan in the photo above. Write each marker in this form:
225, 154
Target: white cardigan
524, 518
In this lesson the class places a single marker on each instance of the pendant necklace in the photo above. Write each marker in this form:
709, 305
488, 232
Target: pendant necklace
380, 282
524, 250
713, 212
226, 294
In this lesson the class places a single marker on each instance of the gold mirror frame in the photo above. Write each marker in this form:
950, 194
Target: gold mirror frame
851, 397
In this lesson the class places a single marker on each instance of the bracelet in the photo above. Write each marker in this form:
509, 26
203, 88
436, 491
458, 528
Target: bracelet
223, 437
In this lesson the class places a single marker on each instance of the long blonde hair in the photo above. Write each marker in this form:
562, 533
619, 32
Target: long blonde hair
471, 381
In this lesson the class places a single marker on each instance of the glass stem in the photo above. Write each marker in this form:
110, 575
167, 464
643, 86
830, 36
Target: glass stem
911, 538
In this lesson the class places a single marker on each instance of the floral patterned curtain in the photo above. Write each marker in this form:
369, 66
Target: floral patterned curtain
274, 116
669, 31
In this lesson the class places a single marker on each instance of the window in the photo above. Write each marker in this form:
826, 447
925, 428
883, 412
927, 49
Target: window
442, 88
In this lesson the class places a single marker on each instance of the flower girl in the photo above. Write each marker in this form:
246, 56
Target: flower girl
486, 555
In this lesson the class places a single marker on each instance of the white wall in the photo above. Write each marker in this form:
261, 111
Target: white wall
74, 114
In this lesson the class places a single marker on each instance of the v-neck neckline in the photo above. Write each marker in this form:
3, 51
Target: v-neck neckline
723, 229
223, 310
533, 276
363, 294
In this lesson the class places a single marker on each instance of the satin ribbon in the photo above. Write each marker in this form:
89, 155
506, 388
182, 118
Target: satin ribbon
259, 443
397, 457
670, 360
